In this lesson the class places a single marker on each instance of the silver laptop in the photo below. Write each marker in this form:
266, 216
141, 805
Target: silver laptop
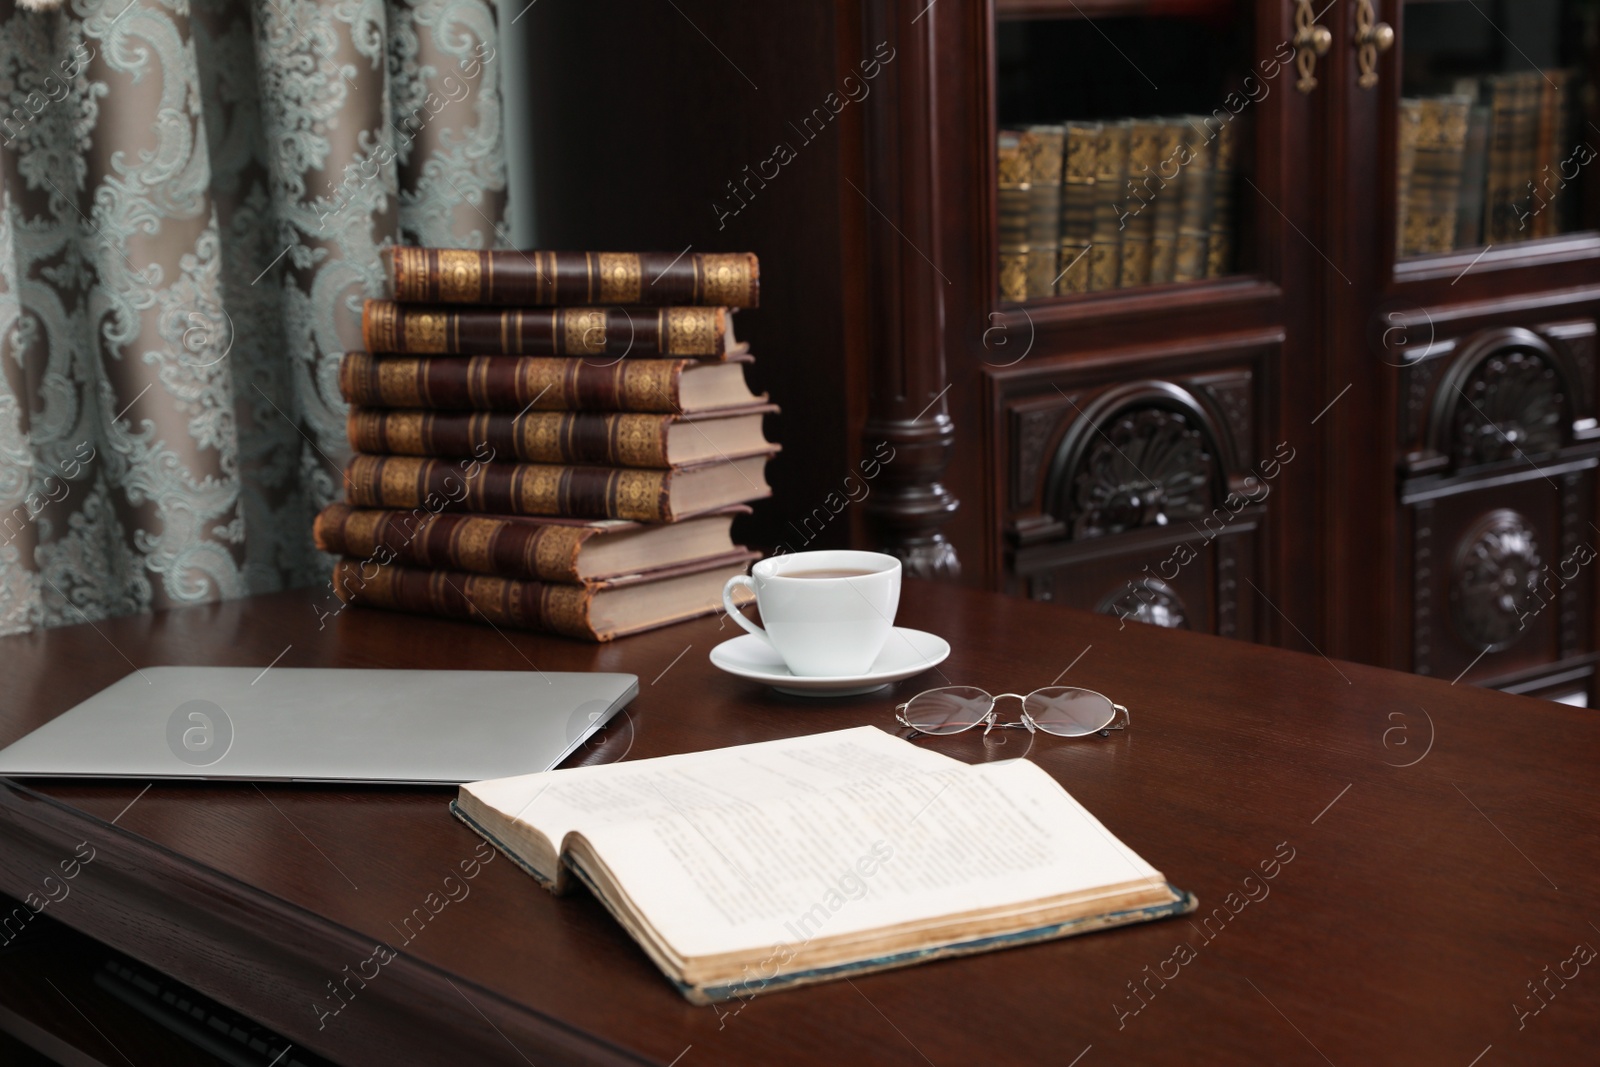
323, 725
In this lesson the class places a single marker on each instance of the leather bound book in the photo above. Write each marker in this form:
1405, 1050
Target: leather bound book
1111, 168
1077, 206
1014, 196
1219, 249
1499, 214
416, 329
1140, 192
1043, 144
595, 612
500, 383
571, 551
563, 436
572, 279
1169, 203
1430, 225
1409, 119
544, 489
1194, 209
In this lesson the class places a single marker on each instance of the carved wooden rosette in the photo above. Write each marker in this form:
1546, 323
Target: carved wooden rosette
1498, 464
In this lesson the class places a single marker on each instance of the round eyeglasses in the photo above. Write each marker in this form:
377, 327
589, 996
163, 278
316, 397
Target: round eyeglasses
1062, 710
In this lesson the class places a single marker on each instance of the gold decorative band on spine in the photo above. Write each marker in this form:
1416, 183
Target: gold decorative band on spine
398, 478
362, 475
472, 545
379, 328
426, 332
585, 333
360, 532
730, 280
400, 381
639, 440
538, 437
693, 332
460, 275
404, 432
407, 270
565, 609
638, 495
487, 595
651, 384
620, 278
554, 551
537, 490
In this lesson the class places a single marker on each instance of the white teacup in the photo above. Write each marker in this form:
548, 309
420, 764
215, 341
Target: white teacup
827, 614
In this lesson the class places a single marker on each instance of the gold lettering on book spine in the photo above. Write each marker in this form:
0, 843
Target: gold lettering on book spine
472, 545
692, 332
460, 275
639, 496
585, 333
620, 278
728, 279
639, 440
427, 332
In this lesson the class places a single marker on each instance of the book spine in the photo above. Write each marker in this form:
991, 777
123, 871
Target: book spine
1111, 169
1194, 229
558, 609
572, 279
1436, 185
1081, 159
1499, 214
1407, 209
1044, 147
1014, 193
532, 437
495, 383
1219, 248
1526, 137
509, 488
1169, 203
480, 544
387, 326
1138, 204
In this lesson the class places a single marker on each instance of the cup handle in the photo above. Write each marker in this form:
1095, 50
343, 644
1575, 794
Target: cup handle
733, 609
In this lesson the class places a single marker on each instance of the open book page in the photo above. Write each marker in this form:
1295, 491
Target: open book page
727, 870
558, 802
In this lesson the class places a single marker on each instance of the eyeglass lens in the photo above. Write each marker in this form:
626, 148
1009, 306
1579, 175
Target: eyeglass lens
949, 710
1069, 712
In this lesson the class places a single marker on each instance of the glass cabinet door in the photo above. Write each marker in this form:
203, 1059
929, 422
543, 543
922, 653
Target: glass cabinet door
1495, 129
1124, 141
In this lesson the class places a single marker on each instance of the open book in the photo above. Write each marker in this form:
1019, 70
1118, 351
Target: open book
748, 869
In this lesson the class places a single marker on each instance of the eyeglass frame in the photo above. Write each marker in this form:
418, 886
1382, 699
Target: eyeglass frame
1027, 720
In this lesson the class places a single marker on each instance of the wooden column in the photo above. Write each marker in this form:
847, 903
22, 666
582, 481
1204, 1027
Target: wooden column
908, 288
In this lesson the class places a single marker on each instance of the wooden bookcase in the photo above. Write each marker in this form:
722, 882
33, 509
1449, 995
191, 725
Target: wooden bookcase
1275, 455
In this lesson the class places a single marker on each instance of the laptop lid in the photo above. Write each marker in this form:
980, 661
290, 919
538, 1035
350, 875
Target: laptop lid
323, 725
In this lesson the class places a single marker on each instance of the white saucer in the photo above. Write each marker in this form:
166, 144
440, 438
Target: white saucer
907, 652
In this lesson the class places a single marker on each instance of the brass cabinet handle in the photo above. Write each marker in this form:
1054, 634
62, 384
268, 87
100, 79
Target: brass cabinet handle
1310, 41
1372, 37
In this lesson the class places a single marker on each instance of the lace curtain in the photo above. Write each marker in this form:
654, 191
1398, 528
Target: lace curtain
192, 197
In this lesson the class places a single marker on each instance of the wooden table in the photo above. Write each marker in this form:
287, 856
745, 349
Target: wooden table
1441, 843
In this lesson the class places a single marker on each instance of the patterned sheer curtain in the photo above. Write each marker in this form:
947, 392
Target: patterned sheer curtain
192, 197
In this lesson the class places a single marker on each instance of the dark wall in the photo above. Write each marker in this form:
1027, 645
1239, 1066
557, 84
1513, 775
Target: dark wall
618, 167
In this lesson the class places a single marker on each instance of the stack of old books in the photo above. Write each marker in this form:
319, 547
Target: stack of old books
551, 440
